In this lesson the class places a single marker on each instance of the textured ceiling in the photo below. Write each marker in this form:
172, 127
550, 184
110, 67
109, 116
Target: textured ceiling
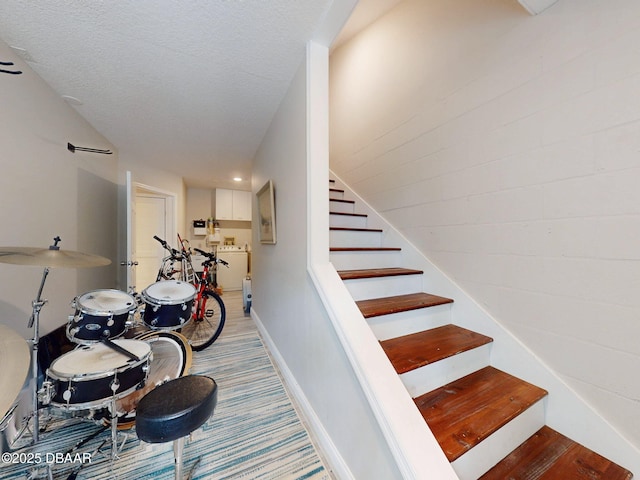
189, 86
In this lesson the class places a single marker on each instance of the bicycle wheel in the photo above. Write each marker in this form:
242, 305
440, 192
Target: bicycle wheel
205, 327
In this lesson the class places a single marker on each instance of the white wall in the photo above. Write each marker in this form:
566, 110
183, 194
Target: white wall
505, 146
45, 191
288, 308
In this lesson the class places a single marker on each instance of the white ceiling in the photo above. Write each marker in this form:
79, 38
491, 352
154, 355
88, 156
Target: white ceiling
188, 86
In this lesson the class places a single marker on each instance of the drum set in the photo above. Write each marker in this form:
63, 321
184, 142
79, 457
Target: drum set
121, 349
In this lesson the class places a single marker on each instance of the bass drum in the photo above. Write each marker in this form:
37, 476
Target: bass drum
172, 357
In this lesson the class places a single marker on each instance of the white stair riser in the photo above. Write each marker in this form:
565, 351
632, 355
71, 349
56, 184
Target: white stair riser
334, 194
365, 288
358, 260
341, 207
487, 453
432, 376
395, 325
351, 238
347, 221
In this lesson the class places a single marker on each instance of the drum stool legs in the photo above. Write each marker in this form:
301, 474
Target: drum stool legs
173, 410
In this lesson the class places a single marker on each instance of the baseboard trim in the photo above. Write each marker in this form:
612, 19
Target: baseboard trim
330, 454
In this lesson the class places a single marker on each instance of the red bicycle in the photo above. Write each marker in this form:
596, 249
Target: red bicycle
209, 313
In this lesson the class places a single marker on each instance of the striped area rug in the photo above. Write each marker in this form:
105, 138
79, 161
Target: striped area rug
254, 433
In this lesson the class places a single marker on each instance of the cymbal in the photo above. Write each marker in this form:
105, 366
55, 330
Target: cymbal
50, 257
14, 358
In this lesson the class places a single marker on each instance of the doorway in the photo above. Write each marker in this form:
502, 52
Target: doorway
150, 212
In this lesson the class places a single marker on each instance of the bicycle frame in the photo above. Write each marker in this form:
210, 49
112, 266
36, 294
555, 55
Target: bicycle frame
201, 286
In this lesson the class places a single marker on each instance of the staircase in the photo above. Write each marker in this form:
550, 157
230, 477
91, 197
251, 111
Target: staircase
489, 424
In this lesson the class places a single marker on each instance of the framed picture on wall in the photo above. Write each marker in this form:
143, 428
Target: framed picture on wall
267, 214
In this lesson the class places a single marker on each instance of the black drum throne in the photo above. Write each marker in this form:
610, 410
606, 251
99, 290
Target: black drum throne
173, 410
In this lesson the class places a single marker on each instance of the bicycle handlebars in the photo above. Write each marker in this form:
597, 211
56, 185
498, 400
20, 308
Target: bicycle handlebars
212, 257
176, 254
166, 246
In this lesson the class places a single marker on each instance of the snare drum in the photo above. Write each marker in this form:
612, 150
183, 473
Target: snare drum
91, 375
168, 304
100, 314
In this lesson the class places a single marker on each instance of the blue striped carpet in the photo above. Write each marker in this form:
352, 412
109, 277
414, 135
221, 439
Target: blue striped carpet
254, 433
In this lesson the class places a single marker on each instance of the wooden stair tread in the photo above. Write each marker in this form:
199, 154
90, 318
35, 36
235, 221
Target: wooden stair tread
364, 249
464, 412
377, 273
399, 303
337, 190
341, 200
549, 455
355, 229
349, 214
416, 350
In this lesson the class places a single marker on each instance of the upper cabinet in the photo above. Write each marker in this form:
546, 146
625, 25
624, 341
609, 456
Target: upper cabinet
233, 205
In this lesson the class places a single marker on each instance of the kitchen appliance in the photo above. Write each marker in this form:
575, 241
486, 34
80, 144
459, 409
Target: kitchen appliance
230, 278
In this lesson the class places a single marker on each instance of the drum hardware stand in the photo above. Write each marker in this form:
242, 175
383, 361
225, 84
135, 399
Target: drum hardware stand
34, 322
115, 449
76, 470
35, 472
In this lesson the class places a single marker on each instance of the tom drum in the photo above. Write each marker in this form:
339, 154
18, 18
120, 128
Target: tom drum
168, 304
100, 314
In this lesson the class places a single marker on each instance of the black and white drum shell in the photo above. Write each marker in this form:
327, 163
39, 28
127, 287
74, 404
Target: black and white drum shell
92, 375
168, 304
100, 314
172, 357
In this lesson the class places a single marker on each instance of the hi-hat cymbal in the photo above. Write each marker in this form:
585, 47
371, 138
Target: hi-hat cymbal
50, 257
14, 358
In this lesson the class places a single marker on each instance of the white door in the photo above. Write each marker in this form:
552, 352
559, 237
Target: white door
151, 220
141, 226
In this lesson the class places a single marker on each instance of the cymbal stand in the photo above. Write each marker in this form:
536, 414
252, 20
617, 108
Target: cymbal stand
34, 322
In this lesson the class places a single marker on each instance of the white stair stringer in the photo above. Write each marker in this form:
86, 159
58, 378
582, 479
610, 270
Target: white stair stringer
562, 409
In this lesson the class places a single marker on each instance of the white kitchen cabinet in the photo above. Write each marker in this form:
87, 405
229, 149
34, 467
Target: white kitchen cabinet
241, 205
233, 205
